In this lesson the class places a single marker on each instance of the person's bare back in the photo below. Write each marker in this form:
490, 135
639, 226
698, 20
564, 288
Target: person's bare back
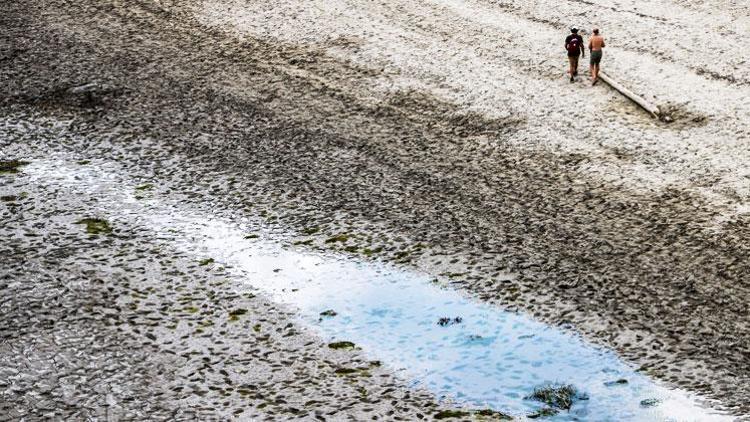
596, 43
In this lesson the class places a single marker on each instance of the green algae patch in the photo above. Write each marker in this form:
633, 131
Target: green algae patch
235, 314
482, 414
207, 261
256, 328
401, 254
11, 166
83, 162
450, 414
493, 414
8, 198
543, 413
338, 238
307, 242
309, 231
342, 345
143, 191
362, 372
96, 226
370, 252
252, 236
650, 402
555, 396
351, 249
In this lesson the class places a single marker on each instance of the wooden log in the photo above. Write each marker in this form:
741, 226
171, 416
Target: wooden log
654, 110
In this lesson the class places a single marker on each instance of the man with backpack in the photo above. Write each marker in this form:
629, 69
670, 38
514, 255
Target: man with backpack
574, 46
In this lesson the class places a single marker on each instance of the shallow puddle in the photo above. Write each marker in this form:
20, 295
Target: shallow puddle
436, 338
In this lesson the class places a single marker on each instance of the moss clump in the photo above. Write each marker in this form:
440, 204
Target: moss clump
401, 254
83, 162
235, 314
351, 249
329, 313
311, 230
445, 321
11, 166
8, 198
256, 328
342, 345
307, 242
650, 402
96, 225
448, 414
494, 414
555, 396
207, 261
252, 236
370, 252
338, 238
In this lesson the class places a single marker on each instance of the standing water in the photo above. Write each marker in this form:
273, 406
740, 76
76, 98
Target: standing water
436, 338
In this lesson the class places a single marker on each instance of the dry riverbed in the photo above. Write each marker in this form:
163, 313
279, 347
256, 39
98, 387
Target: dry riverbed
439, 135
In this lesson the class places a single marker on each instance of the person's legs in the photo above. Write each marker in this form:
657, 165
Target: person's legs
596, 57
594, 74
573, 67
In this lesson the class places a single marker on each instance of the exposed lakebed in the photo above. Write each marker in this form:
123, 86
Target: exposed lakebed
464, 351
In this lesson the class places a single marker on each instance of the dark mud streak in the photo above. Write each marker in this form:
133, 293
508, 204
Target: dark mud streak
622, 260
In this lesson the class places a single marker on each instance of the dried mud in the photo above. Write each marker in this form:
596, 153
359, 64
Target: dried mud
612, 228
116, 324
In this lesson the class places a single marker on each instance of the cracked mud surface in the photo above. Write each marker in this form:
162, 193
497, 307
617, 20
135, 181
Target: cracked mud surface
410, 133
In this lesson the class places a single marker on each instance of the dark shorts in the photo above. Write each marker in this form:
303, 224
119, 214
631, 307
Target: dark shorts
596, 57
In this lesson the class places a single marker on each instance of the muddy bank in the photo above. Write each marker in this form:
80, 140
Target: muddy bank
634, 245
104, 318
484, 358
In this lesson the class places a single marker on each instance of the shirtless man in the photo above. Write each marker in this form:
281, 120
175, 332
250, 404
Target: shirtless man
574, 47
596, 43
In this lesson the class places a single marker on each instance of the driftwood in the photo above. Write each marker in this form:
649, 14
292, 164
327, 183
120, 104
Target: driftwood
654, 110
